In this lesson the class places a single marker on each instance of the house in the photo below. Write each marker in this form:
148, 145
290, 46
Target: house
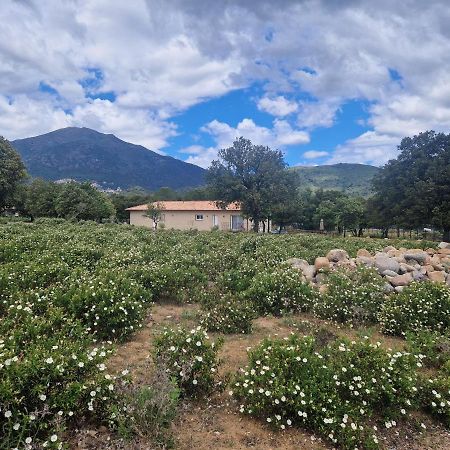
188, 215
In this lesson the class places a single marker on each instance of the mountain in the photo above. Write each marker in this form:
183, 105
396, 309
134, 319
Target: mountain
352, 179
83, 154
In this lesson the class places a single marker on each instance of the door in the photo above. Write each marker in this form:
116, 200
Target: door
237, 223
215, 220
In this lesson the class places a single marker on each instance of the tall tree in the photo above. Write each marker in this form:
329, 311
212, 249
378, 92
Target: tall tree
414, 189
154, 212
248, 174
12, 171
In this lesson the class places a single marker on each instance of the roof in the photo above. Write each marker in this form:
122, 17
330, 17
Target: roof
196, 205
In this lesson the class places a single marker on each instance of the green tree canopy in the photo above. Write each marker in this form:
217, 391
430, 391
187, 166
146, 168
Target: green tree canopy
414, 189
12, 171
252, 175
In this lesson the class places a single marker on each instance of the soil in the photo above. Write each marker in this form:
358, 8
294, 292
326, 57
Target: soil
215, 423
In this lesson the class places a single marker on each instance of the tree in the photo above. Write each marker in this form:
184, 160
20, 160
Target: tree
123, 200
40, 198
12, 171
248, 174
83, 202
154, 211
414, 189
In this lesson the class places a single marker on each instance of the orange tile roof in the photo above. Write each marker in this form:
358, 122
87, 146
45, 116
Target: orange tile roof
196, 205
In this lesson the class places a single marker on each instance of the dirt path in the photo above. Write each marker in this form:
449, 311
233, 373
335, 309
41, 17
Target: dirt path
214, 423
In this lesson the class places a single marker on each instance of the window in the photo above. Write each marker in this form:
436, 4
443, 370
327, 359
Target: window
199, 217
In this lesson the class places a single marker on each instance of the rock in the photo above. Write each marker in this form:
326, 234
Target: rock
444, 251
400, 280
437, 277
430, 251
418, 276
337, 254
448, 279
365, 261
399, 288
309, 272
321, 278
363, 252
387, 288
405, 268
389, 273
297, 263
438, 267
389, 248
429, 268
383, 263
444, 245
421, 257
323, 288
321, 263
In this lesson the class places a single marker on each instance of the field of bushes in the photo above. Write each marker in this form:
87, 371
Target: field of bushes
73, 295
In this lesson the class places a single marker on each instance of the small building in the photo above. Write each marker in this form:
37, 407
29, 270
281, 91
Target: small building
188, 215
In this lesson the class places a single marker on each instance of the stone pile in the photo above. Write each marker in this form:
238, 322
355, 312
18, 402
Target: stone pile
398, 266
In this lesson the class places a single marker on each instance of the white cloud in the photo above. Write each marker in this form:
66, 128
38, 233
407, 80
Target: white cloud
313, 154
277, 106
199, 155
281, 135
159, 57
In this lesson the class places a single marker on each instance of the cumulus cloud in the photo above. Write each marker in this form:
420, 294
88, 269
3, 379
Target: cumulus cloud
159, 57
280, 136
313, 154
199, 155
278, 106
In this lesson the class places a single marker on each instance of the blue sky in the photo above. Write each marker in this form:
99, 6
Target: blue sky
323, 81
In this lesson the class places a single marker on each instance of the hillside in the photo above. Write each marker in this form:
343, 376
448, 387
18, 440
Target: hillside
351, 178
83, 154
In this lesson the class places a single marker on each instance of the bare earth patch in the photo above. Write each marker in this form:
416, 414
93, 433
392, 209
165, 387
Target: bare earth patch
215, 423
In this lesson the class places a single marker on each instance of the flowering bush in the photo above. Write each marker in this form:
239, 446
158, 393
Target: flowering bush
229, 315
351, 297
420, 306
435, 396
280, 290
336, 392
190, 358
111, 305
433, 347
51, 376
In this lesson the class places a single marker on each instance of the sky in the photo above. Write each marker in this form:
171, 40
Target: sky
323, 81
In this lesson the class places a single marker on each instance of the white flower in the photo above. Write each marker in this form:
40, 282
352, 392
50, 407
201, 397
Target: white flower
8, 414
54, 438
16, 426
194, 381
28, 440
43, 397
49, 360
269, 419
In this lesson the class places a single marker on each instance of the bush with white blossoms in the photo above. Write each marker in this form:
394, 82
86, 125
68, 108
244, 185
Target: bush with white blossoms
280, 290
111, 305
420, 306
50, 376
338, 393
190, 358
229, 315
352, 296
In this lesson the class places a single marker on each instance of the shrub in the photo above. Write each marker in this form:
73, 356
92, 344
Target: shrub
435, 397
111, 305
51, 376
351, 297
148, 410
279, 291
190, 358
335, 393
433, 347
229, 315
420, 306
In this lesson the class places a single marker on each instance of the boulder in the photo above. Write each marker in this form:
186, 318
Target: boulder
421, 257
337, 254
389, 248
444, 251
297, 263
418, 276
400, 280
437, 277
448, 279
389, 273
364, 260
363, 252
405, 268
321, 278
321, 263
399, 288
444, 245
383, 263
429, 268
388, 288
309, 272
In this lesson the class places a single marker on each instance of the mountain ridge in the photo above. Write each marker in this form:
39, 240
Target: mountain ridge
84, 154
